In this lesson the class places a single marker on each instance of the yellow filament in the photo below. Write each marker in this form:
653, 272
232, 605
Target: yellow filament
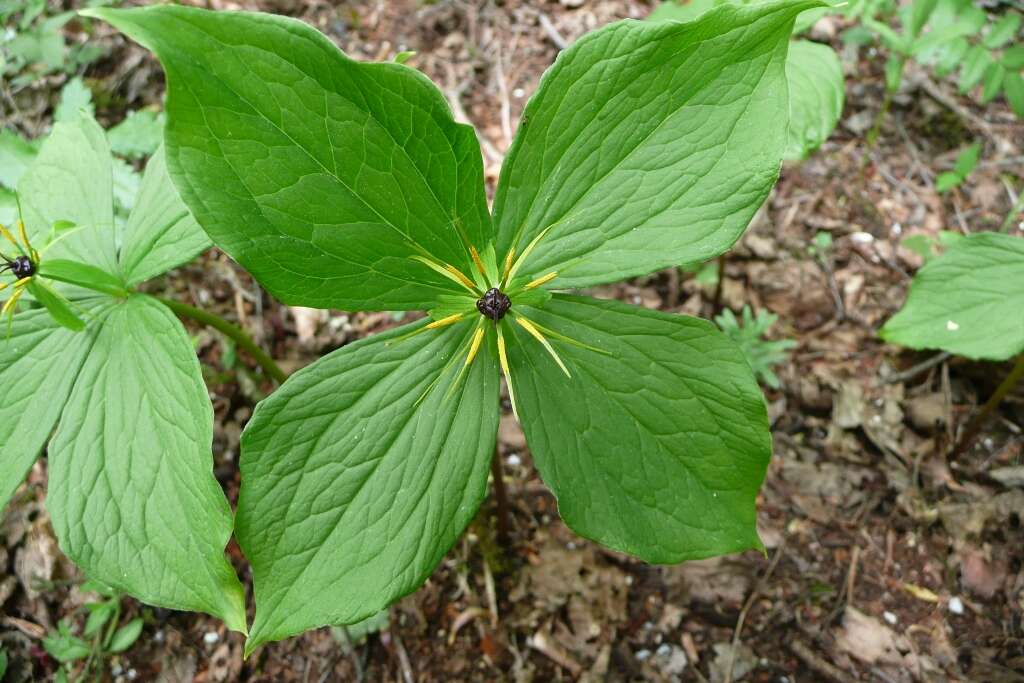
503, 358
9, 306
526, 252
24, 236
444, 322
450, 272
8, 236
476, 259
528, 326
544, 279
462, 278
475, 345
508, 265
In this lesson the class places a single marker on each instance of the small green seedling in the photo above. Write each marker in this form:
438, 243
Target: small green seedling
762, 354
948, 35
969, 301
349, 185
106, 380
84, 657
962, 167
814, 76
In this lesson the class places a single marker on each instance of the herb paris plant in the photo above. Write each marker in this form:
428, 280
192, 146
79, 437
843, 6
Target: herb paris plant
121, 403
349, 185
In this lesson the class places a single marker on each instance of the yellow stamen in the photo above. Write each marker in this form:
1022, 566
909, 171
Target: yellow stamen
4, 285
503, 358
476, 260
528, 326
526, 252
508, 265
544, 279
462, 278
12, 302
444, 322
450, 272
475, 345
8, 236
23, 281
24, 236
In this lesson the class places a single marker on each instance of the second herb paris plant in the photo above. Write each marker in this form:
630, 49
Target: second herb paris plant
349, 185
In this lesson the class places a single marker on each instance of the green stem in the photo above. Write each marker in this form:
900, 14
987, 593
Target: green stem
979, 420
231, 331
877, 127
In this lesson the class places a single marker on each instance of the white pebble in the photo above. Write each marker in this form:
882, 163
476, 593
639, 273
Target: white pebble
956, 605
889, 617
862, 237
643, 655
514, 460
211, 637
518, 93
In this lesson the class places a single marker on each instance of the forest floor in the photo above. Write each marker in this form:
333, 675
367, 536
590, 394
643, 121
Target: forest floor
888, 559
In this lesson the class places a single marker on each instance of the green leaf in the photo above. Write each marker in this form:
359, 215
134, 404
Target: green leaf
353, 487
662, 164
126, 636
816, 92
976, 63
160, 233
75, 100
967, 301
1002, 31
70, 180
1013, 85
39, 361
139, 135
82, 274
656, 447
920, 10
99, 614
132, 494
1013, 57
3, 664
993, 82
16, 155
946, 181
126, 185
967, 160
321, 175
56, 305
66, 647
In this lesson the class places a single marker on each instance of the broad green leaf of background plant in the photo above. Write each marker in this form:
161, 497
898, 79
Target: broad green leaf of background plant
656, 447
816, 95
131, 494
355, 484
969, 301
70, 181
39, 361
321, 175
160, 233
662, 164
814, 77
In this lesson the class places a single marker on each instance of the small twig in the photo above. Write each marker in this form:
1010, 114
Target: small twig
746, 608
1015, 209
851, 575
506, 107
915, 370
979, 420
403, 659
552, 32
808, 657
501, 501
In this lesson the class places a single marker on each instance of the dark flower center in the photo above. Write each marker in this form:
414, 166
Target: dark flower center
22, 267
493, 304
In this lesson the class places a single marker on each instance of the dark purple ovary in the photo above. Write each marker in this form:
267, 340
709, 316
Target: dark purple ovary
493, 304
